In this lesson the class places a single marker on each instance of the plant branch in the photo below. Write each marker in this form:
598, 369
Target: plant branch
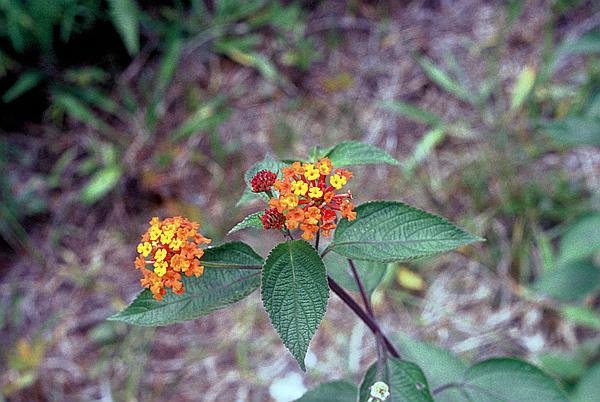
363, 315
361, 288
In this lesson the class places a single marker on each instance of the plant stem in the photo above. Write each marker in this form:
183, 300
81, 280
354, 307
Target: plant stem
363, 315
361, 288
368, 306
317, 240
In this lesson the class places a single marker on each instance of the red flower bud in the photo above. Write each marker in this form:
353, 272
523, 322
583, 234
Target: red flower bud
263, 181
273, 219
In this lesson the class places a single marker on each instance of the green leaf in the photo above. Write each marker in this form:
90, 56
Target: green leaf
295, 293
125, 17
388, 231
231, 273
582, 316
574, 130
101, 183
523, 87
413, 112
371, 273
251, 221
358, 153
588, 388
444, 81
566, 366
439, 365
570, 281
581, 240
334, 391
406, 381
27, 81
505, 379
247, 196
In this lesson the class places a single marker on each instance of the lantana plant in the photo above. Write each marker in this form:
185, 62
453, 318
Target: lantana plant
328, 244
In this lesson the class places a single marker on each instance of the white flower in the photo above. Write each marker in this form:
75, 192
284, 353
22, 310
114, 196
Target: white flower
379, 391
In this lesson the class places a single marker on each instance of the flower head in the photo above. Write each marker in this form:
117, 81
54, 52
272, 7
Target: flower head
308, 199
379, 391
171, 248
263, 181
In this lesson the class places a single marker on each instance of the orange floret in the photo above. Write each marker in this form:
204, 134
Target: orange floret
170, 247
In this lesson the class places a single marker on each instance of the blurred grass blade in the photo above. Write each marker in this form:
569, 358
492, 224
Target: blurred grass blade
586, 44
424, 148
574, 130
100, 184
125, 17
443, 80
412, 112
27, 81
169, 63
522, 87
79, 111
208, 116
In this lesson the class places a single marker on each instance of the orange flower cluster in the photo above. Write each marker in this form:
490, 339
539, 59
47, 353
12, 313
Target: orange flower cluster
308, 200
171, 247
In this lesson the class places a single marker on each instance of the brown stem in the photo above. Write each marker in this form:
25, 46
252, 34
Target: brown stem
363, 315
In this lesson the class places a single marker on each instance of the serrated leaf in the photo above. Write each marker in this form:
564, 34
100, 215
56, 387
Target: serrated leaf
232, 272
439, 366
358, 153
505, 379
588, 388
581, 240
406, 381
570, 281
125, 18
388, 231
295, 293
334, 391
248, 196
102, 182
371, 273
251, 221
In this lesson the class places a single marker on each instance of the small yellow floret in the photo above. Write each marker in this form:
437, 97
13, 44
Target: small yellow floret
155, 232
160, 254
315, 192
337, 181
310, 172
299, 187
144, 248
160, 268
